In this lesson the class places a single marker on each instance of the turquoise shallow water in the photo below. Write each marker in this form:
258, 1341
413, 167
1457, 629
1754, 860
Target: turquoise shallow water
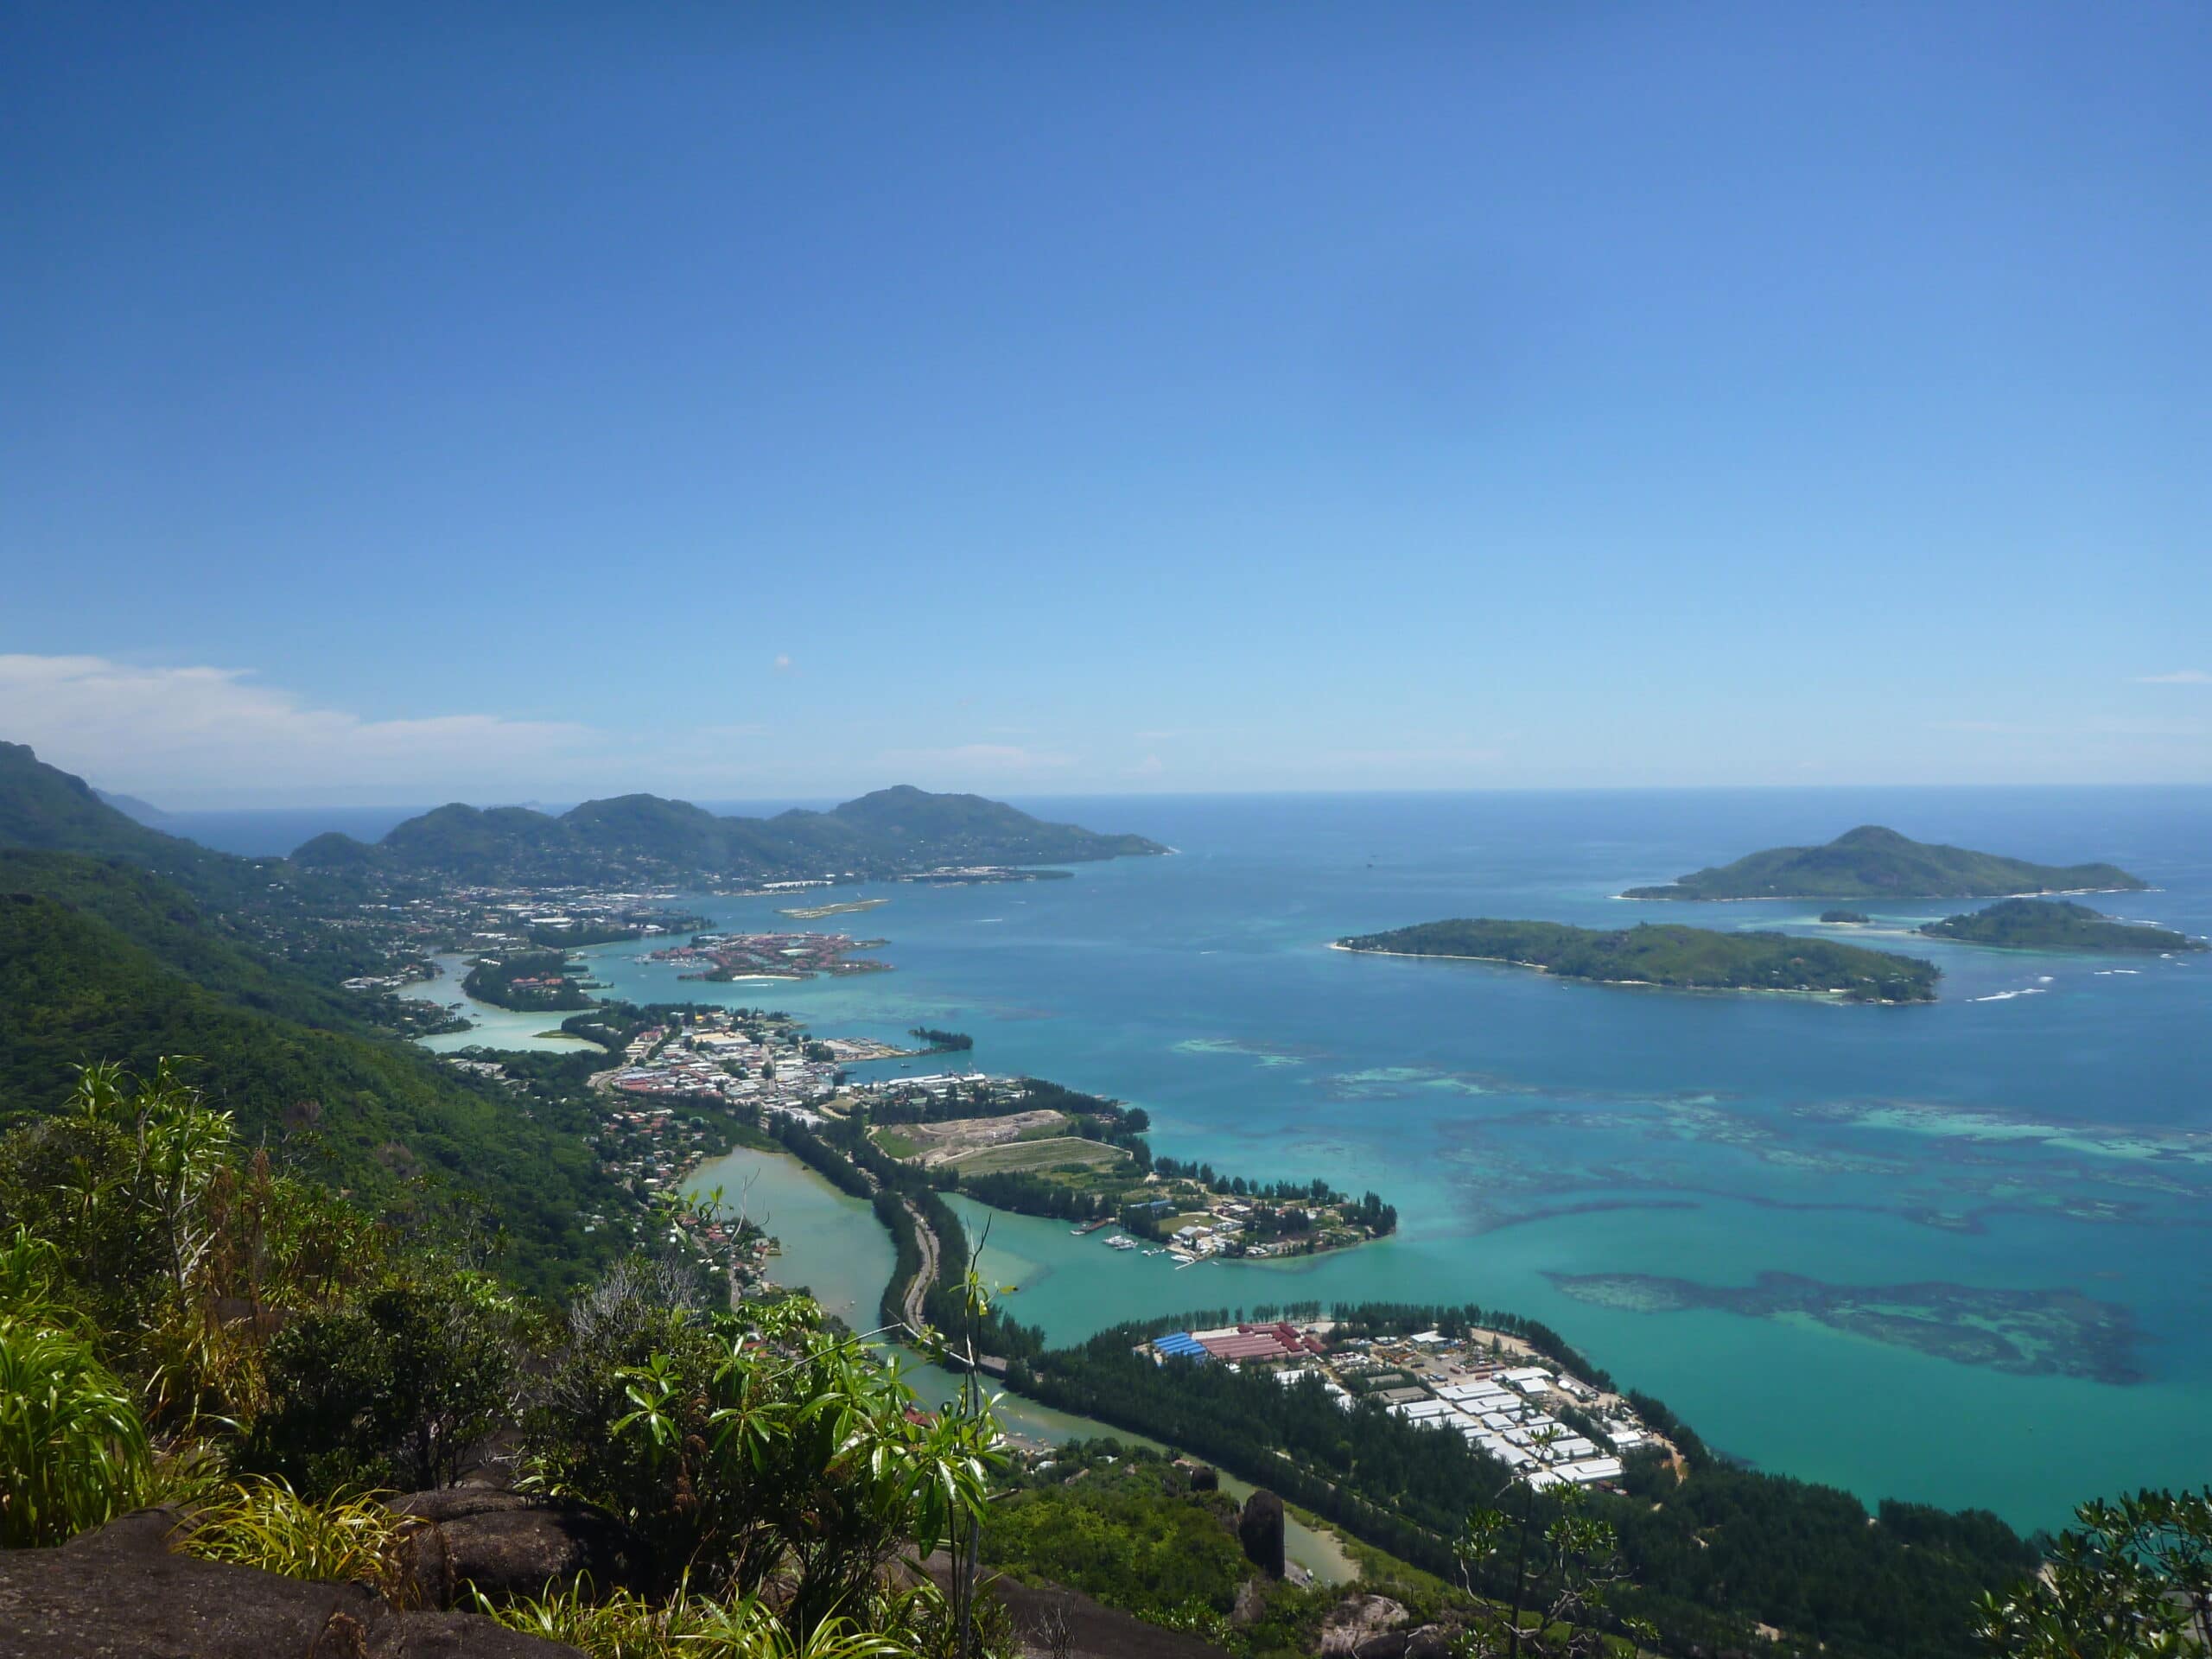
1623, 1164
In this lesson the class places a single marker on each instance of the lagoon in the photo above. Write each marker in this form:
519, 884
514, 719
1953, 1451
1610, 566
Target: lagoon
490, 1025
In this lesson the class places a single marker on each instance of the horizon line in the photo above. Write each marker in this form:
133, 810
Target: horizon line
787, 801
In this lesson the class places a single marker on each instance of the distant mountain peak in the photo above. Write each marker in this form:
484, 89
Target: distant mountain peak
1873, 862
1872, 835
146, 811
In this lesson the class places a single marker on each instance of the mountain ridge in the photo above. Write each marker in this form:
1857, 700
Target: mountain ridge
640, 837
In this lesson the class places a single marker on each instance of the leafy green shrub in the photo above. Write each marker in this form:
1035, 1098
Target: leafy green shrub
2134, 1579
686, 1626
753, 1451
1128, 1536
345, 1538
396, 1392
73, 1451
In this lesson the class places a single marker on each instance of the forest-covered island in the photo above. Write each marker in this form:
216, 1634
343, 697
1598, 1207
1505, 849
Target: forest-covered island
2056, 924
527, 982
1872, 862
1680, 959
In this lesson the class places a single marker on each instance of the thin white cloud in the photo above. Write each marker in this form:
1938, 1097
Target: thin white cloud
2179, 676
198, 730
782, 664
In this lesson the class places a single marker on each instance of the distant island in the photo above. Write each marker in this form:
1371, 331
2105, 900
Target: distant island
944, 1042
903, 831
1846, 918
1683, 958
2056, 925
1872, 863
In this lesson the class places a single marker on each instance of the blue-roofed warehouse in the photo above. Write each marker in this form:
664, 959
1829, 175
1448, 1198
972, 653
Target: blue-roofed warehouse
1180, 1345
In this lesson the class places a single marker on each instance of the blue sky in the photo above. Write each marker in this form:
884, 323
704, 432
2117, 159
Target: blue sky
767, 401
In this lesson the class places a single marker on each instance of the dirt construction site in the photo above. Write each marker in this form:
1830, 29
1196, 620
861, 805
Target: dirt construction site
1024, 1141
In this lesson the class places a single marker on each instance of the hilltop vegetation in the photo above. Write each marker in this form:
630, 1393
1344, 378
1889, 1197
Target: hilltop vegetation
647, 838
119, 944
366, 1113
1684, 959
208, 948
46, 810
1872, 863
2056, 924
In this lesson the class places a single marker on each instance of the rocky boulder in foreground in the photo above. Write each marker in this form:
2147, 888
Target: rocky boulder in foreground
119, 1593
509, 1545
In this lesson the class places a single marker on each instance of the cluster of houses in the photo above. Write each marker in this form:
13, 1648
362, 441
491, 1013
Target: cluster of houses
717, 1060
1239, 1344
1508, 1411
650, 1149
1503, 1414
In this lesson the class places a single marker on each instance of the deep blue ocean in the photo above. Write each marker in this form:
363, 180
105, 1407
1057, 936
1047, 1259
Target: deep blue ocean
1957, 1254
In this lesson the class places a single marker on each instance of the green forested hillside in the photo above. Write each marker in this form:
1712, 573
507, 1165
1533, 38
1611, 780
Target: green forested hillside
45, 809
1872, 863
364, 1113
1686, 958
204, 945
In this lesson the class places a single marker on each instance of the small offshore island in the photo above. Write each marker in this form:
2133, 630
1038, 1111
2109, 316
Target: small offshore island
1872, 862
2056, 925
1669, 955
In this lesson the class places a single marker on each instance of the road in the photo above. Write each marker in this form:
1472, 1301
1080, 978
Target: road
910, 1310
